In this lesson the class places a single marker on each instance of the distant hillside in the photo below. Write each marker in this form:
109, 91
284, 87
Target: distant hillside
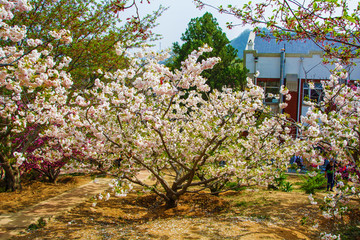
240, 42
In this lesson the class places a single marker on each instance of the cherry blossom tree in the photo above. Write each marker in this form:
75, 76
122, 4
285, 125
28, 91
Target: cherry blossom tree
34, 101
96, 26
33, 90
39, 117
333, 125
162, 122
332, 25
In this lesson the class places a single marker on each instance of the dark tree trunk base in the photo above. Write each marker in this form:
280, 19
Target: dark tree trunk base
171, 203
12, 179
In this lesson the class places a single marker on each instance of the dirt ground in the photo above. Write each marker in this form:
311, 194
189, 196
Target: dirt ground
252, 213
35, 191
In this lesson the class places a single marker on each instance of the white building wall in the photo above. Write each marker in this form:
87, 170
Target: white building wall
354, 71
307, 67
249, 62
269, 67
292, 65
314, 68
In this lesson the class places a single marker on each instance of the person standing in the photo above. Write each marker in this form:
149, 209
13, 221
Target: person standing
330, 175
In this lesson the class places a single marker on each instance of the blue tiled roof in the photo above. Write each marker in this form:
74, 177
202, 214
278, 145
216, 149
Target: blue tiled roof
294, 46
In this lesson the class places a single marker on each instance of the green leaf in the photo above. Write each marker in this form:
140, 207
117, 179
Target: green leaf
351, 19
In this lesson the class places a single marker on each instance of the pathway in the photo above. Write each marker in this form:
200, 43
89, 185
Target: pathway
12, 224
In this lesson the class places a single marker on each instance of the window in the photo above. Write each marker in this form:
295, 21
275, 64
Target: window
313, 95
272, 87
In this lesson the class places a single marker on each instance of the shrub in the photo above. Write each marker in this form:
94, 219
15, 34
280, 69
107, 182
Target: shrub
286, 187
350, 232
312, 181
281, 184
235, 186
40, 224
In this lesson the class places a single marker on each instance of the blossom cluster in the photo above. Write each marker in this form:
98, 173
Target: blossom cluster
40, 129
330, 131
153, 118
167, 122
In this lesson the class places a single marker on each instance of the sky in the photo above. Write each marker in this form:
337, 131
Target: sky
174, 21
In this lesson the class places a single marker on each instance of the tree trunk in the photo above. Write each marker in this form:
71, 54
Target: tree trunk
52, 178
12, 175
171, 201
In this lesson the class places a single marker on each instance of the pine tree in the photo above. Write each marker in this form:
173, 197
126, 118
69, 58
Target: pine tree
205, 30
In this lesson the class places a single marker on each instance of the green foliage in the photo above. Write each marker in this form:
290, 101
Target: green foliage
241, 204
350, 232
310, 184
293, 166
234, 186
196, 178
304, 220
205, 30
95, 30
40, 224
286, 187
281, 183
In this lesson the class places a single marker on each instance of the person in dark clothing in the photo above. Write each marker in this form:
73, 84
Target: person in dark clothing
330, 175
299, 161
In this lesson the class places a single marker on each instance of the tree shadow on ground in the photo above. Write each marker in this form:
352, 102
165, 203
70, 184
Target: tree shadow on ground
236, 215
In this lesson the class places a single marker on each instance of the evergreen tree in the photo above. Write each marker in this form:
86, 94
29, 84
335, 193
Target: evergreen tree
205, 30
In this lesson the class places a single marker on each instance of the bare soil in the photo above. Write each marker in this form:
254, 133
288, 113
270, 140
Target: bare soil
34, 192
253, 213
